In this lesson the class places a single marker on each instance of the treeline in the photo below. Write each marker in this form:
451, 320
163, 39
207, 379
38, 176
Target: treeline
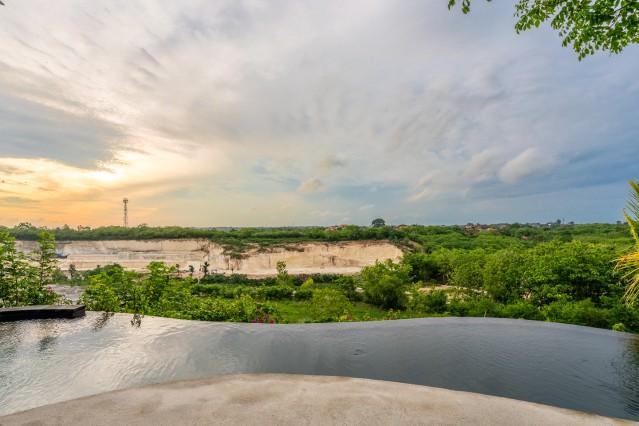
428, 238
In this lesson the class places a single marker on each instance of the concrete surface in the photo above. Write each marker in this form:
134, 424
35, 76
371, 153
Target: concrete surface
298, 400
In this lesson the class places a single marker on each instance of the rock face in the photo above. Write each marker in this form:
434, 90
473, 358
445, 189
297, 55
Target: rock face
301, 258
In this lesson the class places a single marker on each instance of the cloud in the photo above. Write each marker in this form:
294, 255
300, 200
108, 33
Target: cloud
244, 101
310, 185
529, 162
331, 161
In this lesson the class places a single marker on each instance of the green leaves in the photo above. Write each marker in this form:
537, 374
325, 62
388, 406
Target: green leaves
24, 281
629, 264
587, 26
385, 284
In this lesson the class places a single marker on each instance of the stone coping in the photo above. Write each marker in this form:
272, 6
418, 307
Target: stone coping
275, 399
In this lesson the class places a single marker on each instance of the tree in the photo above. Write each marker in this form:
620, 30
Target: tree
328, 304
46, 259
283, 278
586, 25
385, 284
378, 223
20, 282
629, 263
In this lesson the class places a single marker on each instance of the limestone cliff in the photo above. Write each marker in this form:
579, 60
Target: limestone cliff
301, 258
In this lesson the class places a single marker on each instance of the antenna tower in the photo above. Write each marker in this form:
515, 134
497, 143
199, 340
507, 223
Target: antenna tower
126, 212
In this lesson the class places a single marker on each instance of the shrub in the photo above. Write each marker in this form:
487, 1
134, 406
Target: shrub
347, 285
277, 292
503, 275
434, 301
98, 296
303, 294
244, 309
468, 268
583, 312
385, 284
329, 305
521, 309
619, 327
423, 267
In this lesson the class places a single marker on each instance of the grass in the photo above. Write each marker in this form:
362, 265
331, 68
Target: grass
299, 312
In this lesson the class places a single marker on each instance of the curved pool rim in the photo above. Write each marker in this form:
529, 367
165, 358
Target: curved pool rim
296, 399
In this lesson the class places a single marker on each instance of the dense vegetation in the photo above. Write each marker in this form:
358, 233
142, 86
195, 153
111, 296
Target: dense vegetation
26, 280
572, 282
563, 273
420, 237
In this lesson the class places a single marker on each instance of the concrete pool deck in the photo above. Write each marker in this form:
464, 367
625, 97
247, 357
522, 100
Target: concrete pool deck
273, 399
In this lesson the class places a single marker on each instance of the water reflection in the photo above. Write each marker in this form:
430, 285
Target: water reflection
136, 320
629, 375
47, 335
101, 320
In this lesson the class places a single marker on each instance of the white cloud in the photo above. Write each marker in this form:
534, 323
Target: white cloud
528, 163
310, 185
362, 94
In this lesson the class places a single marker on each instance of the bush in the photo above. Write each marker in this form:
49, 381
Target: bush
277, 292
434, 301
473, 307
303, 294
583, 312
100, 297
503, 275
347, 285
329, 305
385, 284
522, 310
244, 309
619, 327
468, 268
423, 267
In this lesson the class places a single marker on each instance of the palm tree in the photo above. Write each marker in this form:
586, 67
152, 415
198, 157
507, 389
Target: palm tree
629, 263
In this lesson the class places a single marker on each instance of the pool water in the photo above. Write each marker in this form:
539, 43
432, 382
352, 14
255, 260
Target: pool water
46, 361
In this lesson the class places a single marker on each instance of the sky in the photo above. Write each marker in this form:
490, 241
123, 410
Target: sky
304, 112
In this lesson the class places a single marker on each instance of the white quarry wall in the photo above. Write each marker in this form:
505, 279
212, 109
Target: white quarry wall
304, 258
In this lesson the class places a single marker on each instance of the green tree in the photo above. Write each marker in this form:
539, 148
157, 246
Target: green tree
100, 296
385, 284
433, 301
504, 273
158, 280
629, 264
46, 259
283, 278
586, 25
7, 269
378, 223
328, 304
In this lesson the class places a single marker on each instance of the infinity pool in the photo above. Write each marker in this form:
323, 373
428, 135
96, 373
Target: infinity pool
582, 368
